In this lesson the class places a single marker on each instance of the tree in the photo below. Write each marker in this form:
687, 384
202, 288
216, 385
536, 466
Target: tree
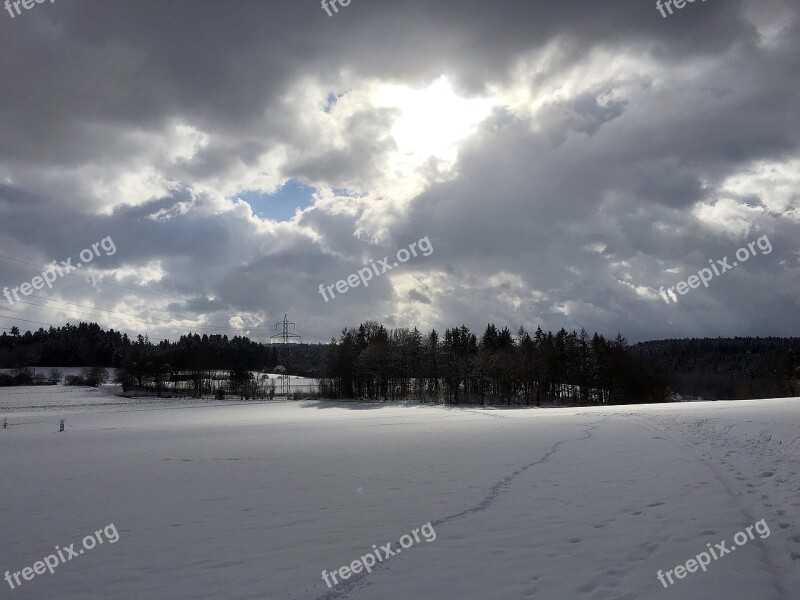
239, 382
55, 375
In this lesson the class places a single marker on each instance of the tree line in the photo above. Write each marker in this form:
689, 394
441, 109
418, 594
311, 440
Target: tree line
88, 345
194, 365
373, 362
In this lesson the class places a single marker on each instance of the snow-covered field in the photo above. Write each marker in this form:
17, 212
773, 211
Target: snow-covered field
234, 501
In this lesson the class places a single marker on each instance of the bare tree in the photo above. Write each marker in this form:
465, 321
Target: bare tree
55, 375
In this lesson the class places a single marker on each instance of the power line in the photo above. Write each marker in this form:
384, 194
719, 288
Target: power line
209, 329
150, 321
81, 312
13, 318
26, 320
24, 262
88, 314
80, 305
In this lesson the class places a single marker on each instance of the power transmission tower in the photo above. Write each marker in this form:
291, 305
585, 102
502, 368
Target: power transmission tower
284, 338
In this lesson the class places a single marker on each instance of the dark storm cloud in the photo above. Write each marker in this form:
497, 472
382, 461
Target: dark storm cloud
134, 64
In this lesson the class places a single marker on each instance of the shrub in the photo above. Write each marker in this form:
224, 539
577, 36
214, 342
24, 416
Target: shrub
94, 376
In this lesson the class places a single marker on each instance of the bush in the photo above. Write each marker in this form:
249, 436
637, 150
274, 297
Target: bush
219, 394
22, 377
74, 380
94, 376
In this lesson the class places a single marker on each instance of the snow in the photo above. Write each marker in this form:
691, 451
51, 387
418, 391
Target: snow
254, 500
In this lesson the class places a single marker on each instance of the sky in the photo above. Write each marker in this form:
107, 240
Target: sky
568, 163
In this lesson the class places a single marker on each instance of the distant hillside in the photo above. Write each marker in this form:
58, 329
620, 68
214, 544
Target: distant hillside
728, 368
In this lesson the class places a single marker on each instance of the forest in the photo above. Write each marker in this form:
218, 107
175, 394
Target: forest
729, 368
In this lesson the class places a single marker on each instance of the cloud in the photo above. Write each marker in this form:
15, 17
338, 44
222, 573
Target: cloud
565, 161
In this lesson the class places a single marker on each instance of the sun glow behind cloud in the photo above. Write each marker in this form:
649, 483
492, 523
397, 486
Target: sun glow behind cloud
428, 127
433, 121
